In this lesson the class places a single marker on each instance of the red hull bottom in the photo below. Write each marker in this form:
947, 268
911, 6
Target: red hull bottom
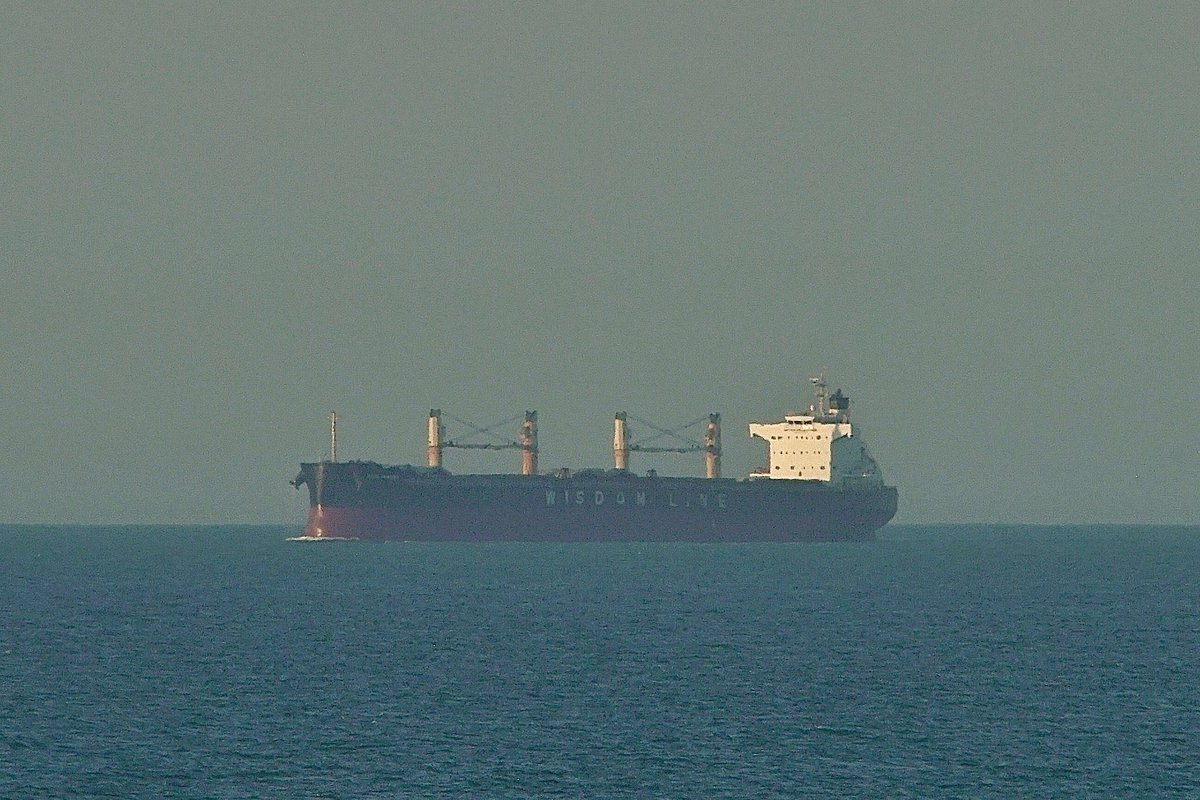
382, 524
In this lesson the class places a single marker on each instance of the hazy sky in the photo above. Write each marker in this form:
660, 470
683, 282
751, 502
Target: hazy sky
221, 221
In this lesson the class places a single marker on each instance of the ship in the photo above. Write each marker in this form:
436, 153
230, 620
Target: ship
819, 484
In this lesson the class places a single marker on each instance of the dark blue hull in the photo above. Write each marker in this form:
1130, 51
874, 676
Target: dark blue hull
362, 500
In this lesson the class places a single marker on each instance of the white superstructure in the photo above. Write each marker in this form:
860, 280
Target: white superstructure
820, 445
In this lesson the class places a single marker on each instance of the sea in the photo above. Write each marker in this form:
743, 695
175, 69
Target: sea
941, 661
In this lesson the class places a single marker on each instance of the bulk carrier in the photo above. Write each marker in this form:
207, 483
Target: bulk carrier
819, 484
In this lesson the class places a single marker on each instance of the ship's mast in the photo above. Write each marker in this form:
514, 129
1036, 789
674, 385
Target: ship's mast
820, 407
433, 450
620, 441
527, 438
712, 447
333, 436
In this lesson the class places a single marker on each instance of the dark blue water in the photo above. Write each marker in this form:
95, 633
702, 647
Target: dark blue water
937, 662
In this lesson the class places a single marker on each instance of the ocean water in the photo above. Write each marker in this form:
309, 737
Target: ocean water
937, 662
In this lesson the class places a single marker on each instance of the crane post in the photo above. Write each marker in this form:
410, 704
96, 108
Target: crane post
712, 447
